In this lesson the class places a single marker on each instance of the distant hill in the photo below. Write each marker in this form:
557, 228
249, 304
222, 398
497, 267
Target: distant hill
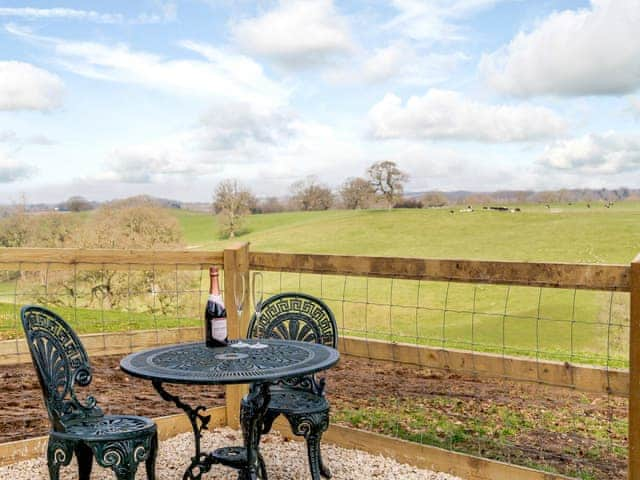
532, 196
453, 197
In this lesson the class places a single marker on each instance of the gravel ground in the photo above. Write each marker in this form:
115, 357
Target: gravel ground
286, 460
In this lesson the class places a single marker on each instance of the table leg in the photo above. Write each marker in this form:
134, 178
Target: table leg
200, 462
254, 407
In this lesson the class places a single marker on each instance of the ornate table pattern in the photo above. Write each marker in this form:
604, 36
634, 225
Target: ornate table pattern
258, 362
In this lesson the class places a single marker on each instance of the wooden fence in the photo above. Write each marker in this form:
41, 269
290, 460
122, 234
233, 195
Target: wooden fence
239, 261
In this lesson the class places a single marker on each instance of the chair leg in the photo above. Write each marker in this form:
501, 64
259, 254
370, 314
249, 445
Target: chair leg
313, 452
311, 426
59, 454
123, 456
269, 418
263, 469
324, 470
150, 462
85, 461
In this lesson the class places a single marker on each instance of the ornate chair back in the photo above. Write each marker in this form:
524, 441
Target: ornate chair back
61, 362
296, 316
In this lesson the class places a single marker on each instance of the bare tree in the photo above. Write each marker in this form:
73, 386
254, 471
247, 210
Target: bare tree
232, 202
434, 199
357, 193
15, 229
77, 204
387, 180
271, 205
309, 194
122, 227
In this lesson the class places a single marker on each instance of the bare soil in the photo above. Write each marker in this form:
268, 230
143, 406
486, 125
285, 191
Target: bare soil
577, 434
23, 415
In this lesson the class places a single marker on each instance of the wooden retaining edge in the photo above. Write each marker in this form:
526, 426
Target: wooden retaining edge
579, 377
433, 458
536, 274
168, 426
116, 343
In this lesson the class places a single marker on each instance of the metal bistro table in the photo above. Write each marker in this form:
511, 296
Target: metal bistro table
258, 362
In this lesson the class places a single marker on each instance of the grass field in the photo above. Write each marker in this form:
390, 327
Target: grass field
562, 233
590, 327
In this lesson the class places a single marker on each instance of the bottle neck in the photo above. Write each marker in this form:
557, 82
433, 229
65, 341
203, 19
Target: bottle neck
214, 286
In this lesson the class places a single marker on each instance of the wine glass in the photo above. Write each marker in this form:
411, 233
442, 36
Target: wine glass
239, 292
258, 298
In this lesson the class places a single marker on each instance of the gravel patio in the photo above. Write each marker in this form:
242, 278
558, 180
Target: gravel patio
285, 459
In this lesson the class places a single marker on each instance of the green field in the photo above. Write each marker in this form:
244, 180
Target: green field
581, 326
562, 233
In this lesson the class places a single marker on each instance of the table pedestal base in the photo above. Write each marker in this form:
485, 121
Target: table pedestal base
247, 459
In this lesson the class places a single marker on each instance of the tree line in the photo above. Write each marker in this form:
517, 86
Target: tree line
134, 223
382, 185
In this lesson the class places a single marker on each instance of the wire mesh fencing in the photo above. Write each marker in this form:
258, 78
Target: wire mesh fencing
116, 309
527, 375
534, 376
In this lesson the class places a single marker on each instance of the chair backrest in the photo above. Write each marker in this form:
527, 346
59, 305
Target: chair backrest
295, 316
61, 362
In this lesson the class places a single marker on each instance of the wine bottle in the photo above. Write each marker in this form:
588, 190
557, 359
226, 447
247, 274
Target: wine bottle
215, 315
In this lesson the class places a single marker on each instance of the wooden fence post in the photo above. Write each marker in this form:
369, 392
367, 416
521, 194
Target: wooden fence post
236, 263
634, 372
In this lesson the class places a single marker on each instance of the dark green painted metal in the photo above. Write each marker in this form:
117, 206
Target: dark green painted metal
80, 427
302, 317
239, 362
246, 362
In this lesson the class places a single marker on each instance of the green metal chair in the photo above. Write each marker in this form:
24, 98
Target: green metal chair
80, 427
302, 317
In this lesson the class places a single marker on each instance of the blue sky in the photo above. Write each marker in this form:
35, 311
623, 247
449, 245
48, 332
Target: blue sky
109, 99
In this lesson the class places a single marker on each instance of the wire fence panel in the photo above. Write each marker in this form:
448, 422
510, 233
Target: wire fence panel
532, 375
116, 309
571, 345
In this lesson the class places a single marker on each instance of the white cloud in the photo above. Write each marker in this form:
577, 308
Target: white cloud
591, 51
227, 134
297, 33
222, 74
66, 13
167, 13
607, 153
445, 114
11, 170
267, 151
634, 105
26, 87
435, 20
399, 61
9, 136
229, 126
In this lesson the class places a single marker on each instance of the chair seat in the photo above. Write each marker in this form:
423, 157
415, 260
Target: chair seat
296, 401
108, 427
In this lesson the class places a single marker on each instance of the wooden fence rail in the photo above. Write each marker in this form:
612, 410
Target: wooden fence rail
556, 275
238, 261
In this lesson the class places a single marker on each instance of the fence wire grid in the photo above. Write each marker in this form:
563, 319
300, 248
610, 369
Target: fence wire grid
552, 427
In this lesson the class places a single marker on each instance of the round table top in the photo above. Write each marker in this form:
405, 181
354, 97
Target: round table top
240, 362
